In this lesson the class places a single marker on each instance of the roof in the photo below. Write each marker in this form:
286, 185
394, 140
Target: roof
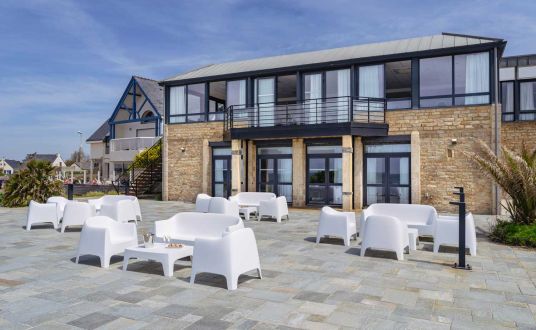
154, 92
411, 45
15, 164
518, 60
46, 157
101, 133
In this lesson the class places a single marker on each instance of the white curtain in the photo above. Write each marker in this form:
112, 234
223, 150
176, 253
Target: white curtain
312, 93
404, 170
343, 92
526, 101
477, 77
370, 84
177, 103
265, 99
242, 92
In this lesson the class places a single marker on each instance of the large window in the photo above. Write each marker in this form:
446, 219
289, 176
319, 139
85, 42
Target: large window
187, 103
398, 84
216, 100
454, 80
507, 100
527, 100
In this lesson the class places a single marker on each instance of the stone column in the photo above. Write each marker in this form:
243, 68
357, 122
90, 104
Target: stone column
415, 168
358, 173
90, 170
252, 166
205, 170
236, 164
347, 172
111, 171
165, 164
298, 173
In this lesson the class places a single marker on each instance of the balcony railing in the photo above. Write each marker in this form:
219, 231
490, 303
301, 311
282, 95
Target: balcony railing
308, 112
134, 144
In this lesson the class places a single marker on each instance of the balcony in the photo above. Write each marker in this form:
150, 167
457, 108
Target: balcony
317, 117
125, 149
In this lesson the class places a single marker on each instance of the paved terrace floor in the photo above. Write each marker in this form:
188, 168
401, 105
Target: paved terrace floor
304, 285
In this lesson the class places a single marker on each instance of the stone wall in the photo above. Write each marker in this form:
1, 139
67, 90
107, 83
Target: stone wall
514, 134
443, 164
187, 171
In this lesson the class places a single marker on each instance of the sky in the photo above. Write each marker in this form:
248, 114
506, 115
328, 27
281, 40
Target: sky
65, 64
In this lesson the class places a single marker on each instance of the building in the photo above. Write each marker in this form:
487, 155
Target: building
54, 159
135, 125
383, 122
9, 166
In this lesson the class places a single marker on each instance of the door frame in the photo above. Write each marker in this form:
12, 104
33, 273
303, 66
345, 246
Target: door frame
326, 184
386, 185
227, 180
276, 183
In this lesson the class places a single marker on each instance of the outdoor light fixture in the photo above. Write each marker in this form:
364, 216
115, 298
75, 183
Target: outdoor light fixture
183, 149
454, 141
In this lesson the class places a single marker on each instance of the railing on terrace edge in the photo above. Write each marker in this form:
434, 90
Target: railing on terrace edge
134, 143
308, 112
146, 163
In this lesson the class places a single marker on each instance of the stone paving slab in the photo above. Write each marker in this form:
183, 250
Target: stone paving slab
308, 286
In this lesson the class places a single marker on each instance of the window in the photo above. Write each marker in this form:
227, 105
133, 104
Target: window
371, 81
454, 80
286, 89
527, 100
507, 100
216, 100
398, 84
236, 93
187, 103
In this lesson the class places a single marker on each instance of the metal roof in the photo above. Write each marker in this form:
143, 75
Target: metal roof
419, 44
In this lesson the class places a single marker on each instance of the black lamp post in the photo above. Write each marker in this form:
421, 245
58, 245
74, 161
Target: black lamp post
461, 229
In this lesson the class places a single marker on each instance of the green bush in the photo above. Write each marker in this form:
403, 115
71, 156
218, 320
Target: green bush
148, 156
514, 234
35, 182
1, 198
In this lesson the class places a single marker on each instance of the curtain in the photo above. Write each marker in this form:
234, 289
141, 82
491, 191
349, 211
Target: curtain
177, 104
313, 92
343, 92
265, 99
526, 101
477, 77
370, 84
404, 170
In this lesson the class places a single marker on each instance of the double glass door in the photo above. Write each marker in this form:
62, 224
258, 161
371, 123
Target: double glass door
387, 174
274, 167
324, 175
221, 172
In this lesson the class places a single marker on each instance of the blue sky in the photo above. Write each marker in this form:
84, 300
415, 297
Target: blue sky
64, 64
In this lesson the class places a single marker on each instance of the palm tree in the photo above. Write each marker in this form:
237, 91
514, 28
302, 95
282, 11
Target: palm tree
515, 174
35, 182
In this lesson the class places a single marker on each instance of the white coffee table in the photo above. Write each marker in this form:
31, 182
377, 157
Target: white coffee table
166, 256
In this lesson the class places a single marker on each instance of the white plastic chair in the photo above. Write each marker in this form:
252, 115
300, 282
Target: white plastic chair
110, 199
385, 233
42, 213
104, 237
276, 208
61, 202
76, 214
231, 255
221, 205
447, 230
202, 202
335, 223
120, 211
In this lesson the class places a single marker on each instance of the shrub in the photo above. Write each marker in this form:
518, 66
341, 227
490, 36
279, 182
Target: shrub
35, 182
1, 198
516, 175
514, 234
148, 156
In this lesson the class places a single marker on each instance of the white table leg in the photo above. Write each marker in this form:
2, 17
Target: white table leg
168, 264
126, 258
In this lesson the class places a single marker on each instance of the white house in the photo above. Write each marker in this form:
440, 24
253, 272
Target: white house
9, 166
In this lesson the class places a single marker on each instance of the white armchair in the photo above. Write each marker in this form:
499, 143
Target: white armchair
335, 223
76, 214
104, 237
61, 202
276, 208
110, 199
42, 213
121, 211
221, 205
231, 255
202, 202
447, 230
386, 233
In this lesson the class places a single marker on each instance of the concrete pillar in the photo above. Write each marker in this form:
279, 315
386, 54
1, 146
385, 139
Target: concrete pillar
415, 168
252, 166
358, 173
85, 176
111, 171
165, 165
98, 176
90, 170
347, 172
236, 165
298, 172
205, 170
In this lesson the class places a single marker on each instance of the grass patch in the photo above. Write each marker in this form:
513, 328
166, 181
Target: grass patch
514, 234
95, 194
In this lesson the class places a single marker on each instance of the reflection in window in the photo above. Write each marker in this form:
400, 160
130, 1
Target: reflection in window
398, 84
196, 102
527, 100
217, 98
435, 78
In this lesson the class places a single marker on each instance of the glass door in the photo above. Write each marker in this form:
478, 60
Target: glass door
221, 172
265, 100
274, 171
324, 175
387, 174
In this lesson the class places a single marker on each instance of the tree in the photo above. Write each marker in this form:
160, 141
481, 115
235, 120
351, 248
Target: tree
35, 182
76, 157
515, 174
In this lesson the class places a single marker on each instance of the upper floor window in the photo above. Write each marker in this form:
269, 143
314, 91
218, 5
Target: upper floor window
507, 100
236, 92
217, 100
398, 84
527, 100
187, 103
371, 83
454, 80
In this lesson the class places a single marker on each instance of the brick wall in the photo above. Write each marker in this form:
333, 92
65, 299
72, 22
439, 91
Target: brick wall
514, 134
185, 172
443, 165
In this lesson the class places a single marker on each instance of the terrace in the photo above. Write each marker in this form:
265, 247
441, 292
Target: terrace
305, 285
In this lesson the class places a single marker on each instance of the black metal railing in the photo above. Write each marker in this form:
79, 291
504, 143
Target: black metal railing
308, 112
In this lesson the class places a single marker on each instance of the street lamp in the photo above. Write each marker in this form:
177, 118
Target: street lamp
80, 147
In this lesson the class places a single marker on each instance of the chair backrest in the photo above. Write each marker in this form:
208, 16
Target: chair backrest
384, 231
223, 206
61, 201
203, 224
425, 214
100, 221
282, 204
116, 198
120, 210
78, 211
254, 197
202, 202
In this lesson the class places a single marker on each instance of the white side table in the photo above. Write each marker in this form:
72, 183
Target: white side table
247, 210
166, 256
